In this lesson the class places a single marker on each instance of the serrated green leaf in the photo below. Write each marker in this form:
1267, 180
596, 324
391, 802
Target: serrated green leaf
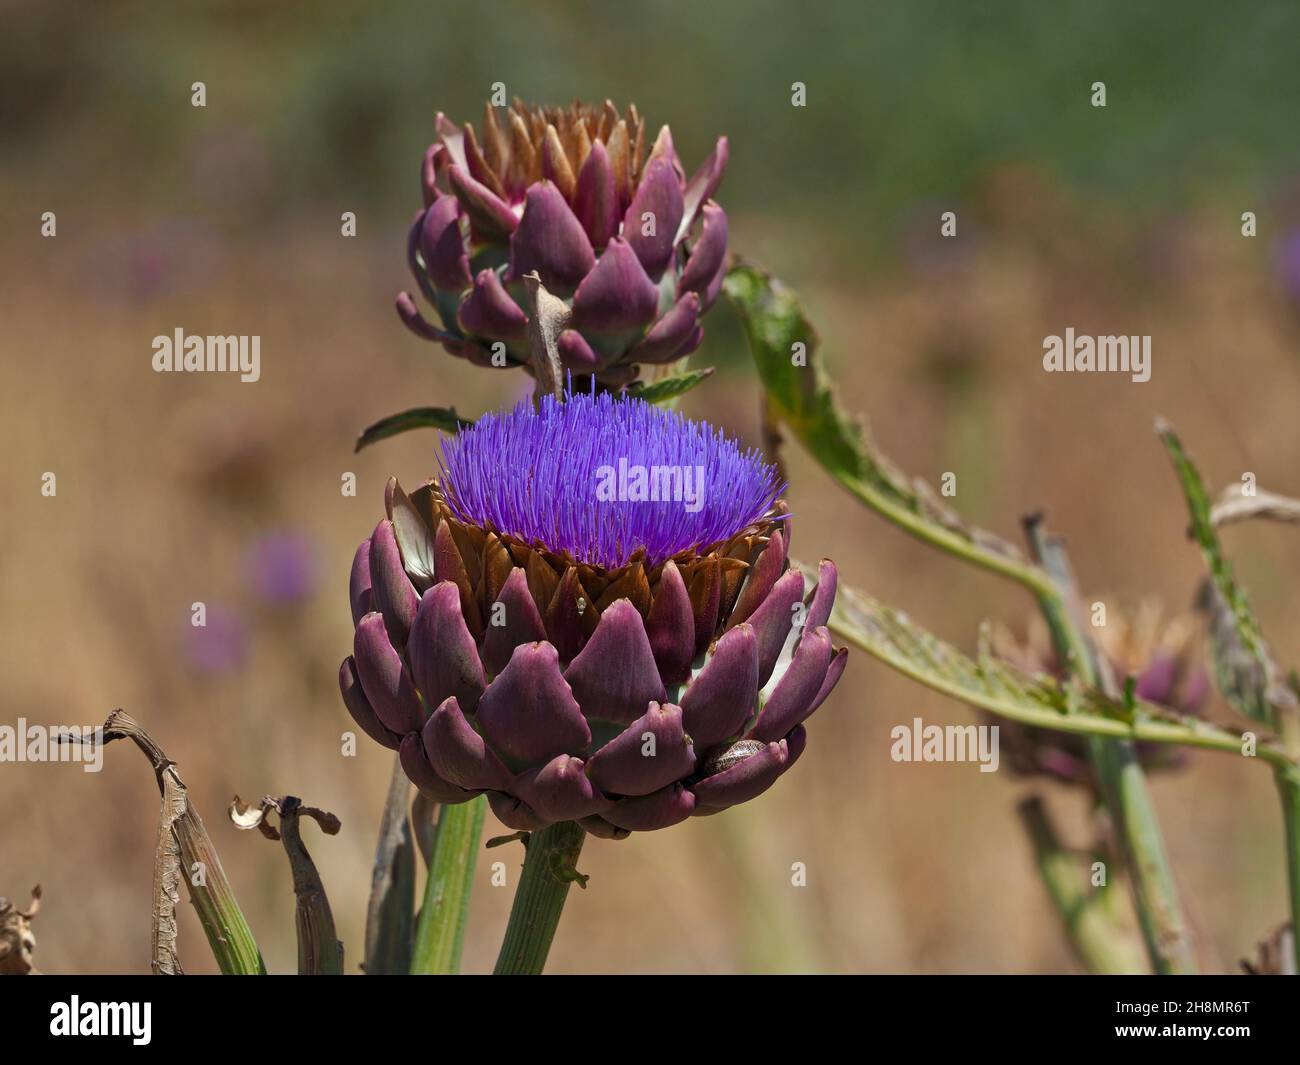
994, 685
667, 388
1245, 670
444, 418
784, 346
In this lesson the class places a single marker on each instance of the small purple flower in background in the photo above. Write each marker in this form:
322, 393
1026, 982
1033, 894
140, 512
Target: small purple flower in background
1288, 262
171, 256
546, 625
608, 220
281, 568
220, 644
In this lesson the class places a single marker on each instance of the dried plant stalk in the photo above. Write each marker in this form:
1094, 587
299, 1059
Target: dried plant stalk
319, 951
186, 853
17, 944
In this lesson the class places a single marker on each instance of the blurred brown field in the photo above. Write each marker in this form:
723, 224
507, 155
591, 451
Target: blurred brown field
167, 483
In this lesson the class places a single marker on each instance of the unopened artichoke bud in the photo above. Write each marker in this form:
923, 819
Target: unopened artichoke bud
1160, 653
590, 615
1165, 658
610, 223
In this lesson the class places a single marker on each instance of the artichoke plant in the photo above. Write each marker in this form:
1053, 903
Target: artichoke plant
1161, 655
589, 615
636, 250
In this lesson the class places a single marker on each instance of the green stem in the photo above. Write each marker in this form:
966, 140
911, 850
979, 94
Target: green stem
1288, 787
1164, 926
440, 935
1123, 784
550, 868
1101, 945
953, 543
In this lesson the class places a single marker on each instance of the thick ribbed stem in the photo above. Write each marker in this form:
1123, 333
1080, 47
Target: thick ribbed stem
550, 868
1123, 784
440, 934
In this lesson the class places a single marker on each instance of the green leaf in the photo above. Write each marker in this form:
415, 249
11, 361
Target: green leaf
667, 388
444, 418
1246, 672
996, 686
784, 346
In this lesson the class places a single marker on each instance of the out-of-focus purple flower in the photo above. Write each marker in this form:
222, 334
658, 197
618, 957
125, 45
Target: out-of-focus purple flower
220, 645
610, 223
1288, 262
1160, 653
168, 257
282, 568
519, 633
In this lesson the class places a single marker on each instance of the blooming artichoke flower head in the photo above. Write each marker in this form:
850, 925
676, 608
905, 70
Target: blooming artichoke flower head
1161, 654
610, 224
589, 615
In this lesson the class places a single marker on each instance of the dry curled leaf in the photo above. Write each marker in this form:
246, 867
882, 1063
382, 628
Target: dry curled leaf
17, 943
319, 949
185, 853
1274, 956
1234, 504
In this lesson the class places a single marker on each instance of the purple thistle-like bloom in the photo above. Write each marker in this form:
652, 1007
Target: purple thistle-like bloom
599, 478
531, 628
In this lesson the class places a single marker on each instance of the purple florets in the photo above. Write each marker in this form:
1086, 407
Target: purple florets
599, 478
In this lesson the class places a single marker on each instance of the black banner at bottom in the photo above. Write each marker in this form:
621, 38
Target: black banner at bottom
214, 1014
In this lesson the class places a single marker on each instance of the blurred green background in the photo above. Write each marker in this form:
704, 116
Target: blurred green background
226, 219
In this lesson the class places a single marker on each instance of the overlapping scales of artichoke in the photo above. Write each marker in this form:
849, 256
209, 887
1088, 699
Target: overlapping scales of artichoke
636, 249
627, 700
